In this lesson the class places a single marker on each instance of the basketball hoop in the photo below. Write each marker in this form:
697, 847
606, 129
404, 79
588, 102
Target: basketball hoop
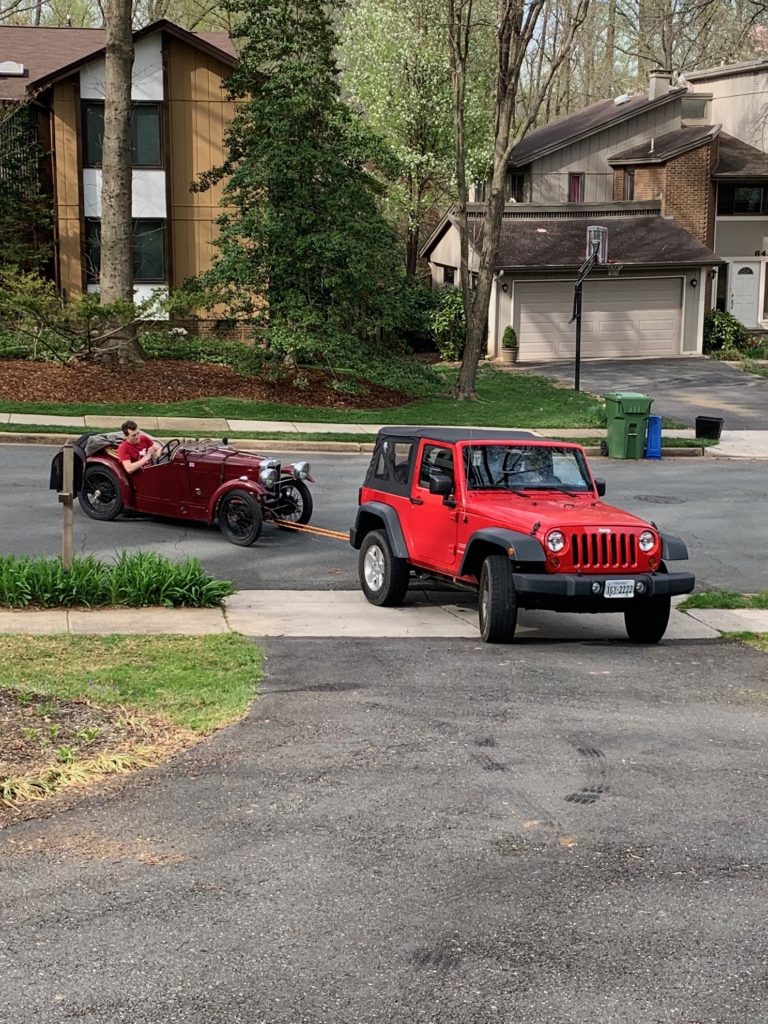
614, 269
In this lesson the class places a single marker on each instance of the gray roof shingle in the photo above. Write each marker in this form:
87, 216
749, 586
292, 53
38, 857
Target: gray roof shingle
594, 118
666, 146
534, 242
739, 160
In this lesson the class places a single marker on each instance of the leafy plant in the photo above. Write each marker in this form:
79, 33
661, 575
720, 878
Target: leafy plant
88, 735
448, 324
137, 579
244, 357
722, 331
65, 755
509, 338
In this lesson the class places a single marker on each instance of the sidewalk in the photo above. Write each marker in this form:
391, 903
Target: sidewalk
346, 613
734, 444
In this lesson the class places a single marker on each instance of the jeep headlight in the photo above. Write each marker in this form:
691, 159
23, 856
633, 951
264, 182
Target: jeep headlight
555, 541
301, 470
269, 473
647, 541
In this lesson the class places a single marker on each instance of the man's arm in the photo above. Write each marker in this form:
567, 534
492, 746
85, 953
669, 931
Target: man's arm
131, 467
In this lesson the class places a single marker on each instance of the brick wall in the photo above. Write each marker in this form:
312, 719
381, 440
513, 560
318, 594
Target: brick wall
650, 182
689, 193
618, 184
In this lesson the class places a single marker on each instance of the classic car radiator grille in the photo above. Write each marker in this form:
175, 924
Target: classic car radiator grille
593, 550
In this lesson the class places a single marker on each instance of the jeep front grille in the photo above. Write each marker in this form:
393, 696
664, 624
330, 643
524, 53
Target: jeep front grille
593, 550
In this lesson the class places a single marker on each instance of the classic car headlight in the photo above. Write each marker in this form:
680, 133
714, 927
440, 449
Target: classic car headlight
555, 541
301, 470
647, 541
269, 473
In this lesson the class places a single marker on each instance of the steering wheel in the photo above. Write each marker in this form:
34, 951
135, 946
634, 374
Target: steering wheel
165, 453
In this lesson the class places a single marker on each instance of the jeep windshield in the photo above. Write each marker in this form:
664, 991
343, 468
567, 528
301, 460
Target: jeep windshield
519, 467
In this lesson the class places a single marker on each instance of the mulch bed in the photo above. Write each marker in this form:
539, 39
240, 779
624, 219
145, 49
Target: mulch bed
167, 380
34, 730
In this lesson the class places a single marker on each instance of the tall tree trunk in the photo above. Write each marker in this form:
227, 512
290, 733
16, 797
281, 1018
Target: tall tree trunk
116, 273
518, 23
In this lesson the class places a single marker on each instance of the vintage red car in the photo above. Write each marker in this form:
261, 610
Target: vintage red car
515, 516
207, 481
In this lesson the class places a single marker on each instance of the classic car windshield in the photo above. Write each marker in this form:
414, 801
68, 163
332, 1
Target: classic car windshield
513, 467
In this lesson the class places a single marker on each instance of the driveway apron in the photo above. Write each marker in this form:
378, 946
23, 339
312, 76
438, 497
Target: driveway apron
682, 389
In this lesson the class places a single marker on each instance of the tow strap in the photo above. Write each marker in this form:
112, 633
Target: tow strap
318, 531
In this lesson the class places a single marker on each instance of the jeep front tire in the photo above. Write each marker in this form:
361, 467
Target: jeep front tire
383, 577
498, 601
646, 621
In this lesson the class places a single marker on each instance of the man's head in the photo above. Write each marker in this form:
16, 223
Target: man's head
131, 430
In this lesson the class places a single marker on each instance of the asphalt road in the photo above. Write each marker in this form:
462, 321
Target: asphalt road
682, 389
420, 832
718, 507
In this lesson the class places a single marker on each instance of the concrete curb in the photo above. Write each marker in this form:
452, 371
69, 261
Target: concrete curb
349, 447
267, 613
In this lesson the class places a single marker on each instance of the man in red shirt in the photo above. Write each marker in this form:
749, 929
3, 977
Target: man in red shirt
137, 449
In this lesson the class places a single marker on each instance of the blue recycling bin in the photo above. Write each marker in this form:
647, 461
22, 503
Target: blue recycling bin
653, 438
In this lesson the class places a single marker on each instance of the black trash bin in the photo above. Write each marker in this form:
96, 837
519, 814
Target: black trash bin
709, 427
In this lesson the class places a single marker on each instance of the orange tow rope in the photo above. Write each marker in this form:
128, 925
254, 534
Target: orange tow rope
318, 531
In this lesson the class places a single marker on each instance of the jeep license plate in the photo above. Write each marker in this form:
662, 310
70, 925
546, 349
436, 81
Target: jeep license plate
619, 588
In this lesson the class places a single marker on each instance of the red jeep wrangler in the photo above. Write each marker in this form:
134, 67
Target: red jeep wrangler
516, 516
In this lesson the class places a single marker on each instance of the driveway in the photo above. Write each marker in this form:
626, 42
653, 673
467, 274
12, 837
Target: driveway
682, 389
420, 832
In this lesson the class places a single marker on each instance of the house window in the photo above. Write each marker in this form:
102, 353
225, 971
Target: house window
629, 185
575, 188
148, 250
449, 275
146, 134
481, 191
695, 108
744, 200
514, 187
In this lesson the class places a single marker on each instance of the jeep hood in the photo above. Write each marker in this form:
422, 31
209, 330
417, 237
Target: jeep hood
552, 510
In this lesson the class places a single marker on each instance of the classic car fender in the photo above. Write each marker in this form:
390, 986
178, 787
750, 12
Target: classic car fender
123, 479
526, 548
672, 548
256, 489
371, 516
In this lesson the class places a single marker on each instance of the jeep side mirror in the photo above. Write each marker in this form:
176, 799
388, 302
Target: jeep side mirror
440, 483
600, 487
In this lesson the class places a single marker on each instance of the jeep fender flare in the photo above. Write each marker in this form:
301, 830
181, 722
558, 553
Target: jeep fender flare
374, 515
672, 548
526, 548
257, 490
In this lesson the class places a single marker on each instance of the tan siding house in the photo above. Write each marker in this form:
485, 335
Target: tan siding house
180, 116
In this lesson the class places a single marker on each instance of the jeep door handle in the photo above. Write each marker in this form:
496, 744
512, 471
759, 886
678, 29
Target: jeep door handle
417, 501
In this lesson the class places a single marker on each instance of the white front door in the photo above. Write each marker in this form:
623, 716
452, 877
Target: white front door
745, 291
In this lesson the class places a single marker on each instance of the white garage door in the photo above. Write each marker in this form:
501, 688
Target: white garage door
620, 318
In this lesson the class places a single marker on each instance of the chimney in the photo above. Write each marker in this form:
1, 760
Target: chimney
660, 83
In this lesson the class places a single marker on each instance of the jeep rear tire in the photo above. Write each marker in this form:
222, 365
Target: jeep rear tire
646, 621
383, 577
498, 601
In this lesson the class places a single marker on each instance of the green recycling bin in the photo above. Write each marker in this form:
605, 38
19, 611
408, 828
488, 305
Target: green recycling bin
627, 414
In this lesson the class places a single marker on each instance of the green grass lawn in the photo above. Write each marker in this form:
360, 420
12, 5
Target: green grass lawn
725, 599
758, 640
199, 683
504, 400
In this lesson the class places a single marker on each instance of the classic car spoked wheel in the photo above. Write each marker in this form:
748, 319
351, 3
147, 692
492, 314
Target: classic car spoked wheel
383, 577
646, 621
240, 518
498, 601
100, 497
295, 503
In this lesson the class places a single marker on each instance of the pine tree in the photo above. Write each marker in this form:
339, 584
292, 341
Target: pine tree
303, 247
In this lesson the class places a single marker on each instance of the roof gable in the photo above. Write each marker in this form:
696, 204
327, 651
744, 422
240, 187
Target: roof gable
583, 123
49, 54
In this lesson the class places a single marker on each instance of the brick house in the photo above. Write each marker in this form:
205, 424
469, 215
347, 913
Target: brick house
180, 111
685, 205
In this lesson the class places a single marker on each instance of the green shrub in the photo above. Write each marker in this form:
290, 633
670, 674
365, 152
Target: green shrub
243, 357
509, 338
722, 331
139, 579
448, 324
